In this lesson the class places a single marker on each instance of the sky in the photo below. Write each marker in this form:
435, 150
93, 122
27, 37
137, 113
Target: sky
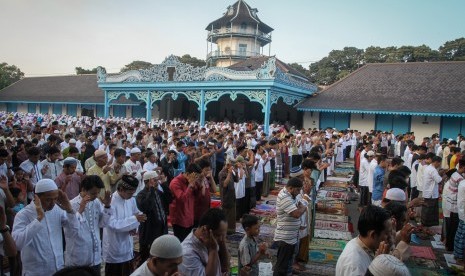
52, 37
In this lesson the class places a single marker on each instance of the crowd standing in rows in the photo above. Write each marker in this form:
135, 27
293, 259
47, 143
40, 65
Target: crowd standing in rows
64, 179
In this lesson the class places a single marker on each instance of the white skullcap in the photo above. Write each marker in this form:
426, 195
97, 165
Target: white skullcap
135, 150
371, 153
72, 141
45, 185
396, 194
386, 264
166, 247
99, 153
72, 130
56, 131
70, 161
150, 175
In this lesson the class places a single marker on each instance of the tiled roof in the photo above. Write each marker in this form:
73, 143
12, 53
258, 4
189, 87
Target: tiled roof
254, 63
73, 88
422, 87
241, 12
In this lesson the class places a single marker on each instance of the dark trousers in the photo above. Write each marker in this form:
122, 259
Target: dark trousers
118, 269
240, 207
219, 167
451, 228
97, 269
284, 259
258, 190
248, 201
364, 196
181, 232
414, 193
347, 152
231, 217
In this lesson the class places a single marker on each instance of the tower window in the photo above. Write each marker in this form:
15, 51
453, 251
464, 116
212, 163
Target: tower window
243, 26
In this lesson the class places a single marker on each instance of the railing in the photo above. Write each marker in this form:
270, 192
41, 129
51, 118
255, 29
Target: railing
228, 31
233, 54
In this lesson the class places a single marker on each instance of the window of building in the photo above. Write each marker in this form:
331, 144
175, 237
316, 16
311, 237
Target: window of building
243, 26
242, 49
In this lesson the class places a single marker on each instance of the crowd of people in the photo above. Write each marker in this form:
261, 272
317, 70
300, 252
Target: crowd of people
78, 191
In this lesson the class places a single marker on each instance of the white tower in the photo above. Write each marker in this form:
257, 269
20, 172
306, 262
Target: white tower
238, 35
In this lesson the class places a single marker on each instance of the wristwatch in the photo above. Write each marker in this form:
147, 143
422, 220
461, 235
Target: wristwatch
6, 229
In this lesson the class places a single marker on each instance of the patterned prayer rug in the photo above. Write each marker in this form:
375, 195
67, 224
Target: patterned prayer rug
323, 256
331, 225
333, 235
320, 216
337, 245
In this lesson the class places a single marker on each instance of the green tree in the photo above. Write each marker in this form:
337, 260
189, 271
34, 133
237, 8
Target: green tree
9, 74
336, 65
300, 69
453, 50
195, 62
82, 71
136, 65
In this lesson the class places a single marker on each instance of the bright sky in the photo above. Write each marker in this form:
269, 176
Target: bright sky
52, 37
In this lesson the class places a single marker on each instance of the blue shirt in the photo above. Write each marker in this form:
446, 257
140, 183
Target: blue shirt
378, 188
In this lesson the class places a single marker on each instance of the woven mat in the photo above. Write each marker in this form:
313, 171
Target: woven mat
330, 217
422, 252
332, 195
319, 269
323, 256
333, 235
337, 245
331, 225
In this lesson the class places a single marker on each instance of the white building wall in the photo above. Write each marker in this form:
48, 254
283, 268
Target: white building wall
364, 124
311, 119
424, 128
22, 108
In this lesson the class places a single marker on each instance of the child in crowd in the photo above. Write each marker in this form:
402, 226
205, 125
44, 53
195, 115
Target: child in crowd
249, 250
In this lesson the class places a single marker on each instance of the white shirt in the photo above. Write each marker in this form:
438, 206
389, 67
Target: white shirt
143, 270
431, 179
240, 187
137, 168
40, 242
4, 170
450, 192
413, 175
354, 259
259, 168
420, 173
371, 173
149, 166
84, 248
54, 169
364, 171
27, 166
117, 241
461, 200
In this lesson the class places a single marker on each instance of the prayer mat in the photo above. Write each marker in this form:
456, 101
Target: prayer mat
334, 188
331, 225
320, 216
333, 235
332, 195
335, 184
319, 269
423, 263
424, 252
451, 262
323, 256
327, 244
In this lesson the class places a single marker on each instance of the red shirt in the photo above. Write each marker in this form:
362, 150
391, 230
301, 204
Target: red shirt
202, 201
357, 160
182, 206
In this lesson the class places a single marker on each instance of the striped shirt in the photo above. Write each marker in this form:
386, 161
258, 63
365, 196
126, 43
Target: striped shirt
287, 227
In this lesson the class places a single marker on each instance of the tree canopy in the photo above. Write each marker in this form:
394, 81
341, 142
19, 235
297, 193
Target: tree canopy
340, 63
9, 74
82, 71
